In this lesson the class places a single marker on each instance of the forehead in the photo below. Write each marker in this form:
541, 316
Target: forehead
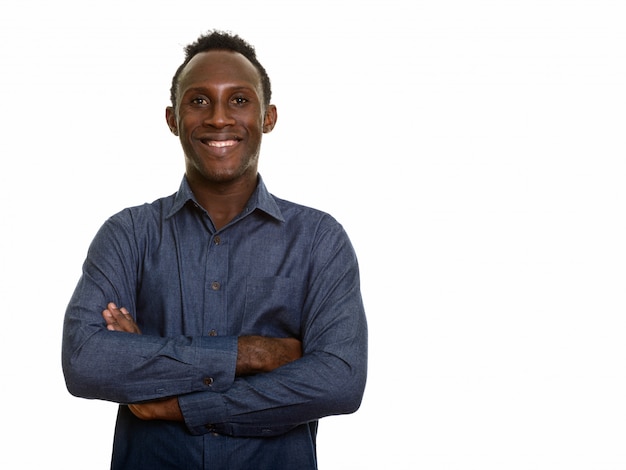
219, 67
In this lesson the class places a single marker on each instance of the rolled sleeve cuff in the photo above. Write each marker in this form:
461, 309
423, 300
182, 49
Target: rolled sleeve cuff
203, 412
216, 358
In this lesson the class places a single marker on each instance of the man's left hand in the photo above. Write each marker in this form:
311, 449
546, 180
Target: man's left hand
119, 319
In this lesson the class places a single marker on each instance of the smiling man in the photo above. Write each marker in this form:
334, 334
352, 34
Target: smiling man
220, 117
224, 320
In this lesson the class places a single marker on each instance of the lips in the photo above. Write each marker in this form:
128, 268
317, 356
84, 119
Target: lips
219, 140
219, 143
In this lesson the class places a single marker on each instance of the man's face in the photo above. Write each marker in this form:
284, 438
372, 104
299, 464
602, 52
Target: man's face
220, 117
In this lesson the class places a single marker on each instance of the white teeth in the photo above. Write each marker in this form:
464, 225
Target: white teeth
221, 143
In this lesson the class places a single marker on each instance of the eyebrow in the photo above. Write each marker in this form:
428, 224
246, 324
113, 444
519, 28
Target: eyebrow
233, 89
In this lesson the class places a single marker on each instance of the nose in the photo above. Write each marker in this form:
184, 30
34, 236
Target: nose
218, 116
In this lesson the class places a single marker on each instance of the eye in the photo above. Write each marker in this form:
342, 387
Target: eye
240, 100
199, 101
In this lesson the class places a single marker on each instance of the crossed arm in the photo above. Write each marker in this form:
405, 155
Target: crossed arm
255, 354
216, 380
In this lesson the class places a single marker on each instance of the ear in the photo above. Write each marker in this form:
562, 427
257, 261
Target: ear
170, 117
270, 119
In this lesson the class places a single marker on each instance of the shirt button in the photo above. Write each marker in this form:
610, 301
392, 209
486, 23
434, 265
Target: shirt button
215, 285
208, 381
213, 333
217, 240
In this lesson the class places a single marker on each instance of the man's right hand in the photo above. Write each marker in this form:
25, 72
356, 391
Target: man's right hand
262, 354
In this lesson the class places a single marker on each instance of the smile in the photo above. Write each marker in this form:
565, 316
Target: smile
220, 143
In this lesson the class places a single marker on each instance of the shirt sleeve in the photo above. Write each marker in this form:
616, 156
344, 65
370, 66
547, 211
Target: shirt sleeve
124, 367
330, 377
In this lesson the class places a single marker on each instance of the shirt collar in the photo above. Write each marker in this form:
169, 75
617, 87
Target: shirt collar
261, 199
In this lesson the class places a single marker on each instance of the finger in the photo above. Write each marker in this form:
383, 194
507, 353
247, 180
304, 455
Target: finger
130, 321
110, 312
125, 321
136, 410
119, 319
120, 314
109, 319
126, 314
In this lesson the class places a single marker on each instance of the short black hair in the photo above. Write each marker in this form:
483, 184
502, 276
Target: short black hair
220, 40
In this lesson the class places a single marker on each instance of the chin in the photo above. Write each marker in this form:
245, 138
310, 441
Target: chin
219, 174
223, 176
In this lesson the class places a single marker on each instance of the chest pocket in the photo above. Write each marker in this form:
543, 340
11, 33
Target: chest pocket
272, 307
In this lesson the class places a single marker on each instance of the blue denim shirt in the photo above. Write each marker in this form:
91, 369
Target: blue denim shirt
278, 269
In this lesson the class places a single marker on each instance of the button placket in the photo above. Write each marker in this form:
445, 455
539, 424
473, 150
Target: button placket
216, 274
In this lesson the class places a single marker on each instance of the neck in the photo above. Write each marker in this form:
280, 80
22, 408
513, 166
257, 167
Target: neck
223, 201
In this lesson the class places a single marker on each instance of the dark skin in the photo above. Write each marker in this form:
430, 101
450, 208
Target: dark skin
255, 354
220, 118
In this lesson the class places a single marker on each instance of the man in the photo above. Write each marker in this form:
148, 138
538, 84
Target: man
225, 321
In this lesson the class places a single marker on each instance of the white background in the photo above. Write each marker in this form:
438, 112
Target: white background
474, 151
